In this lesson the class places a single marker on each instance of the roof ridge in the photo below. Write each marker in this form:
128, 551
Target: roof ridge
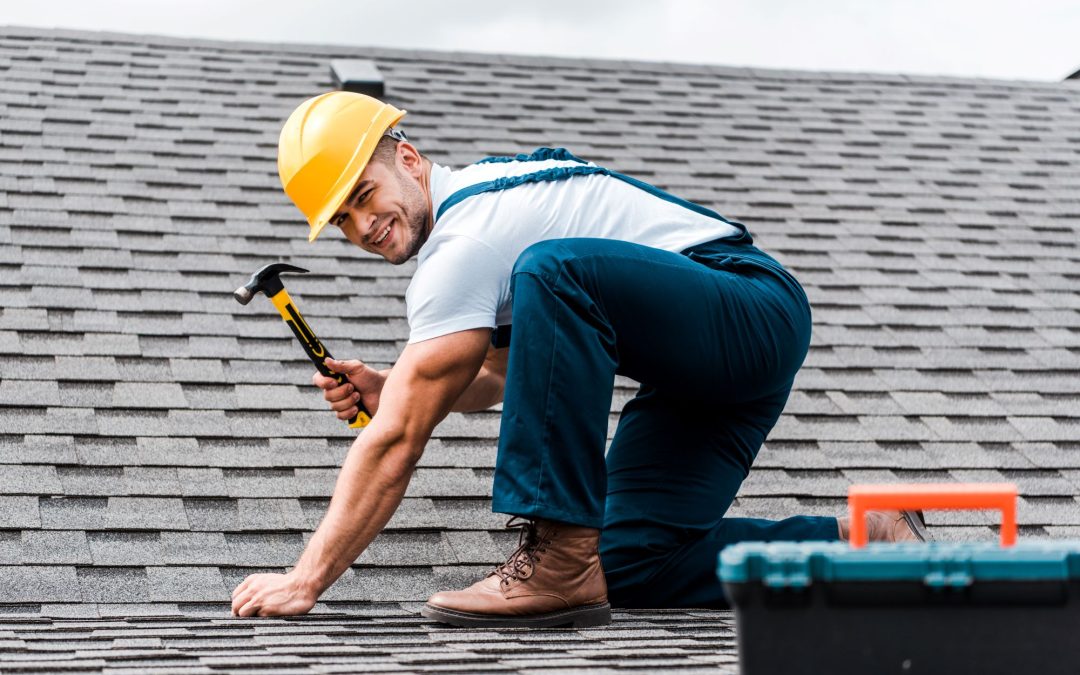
309, 50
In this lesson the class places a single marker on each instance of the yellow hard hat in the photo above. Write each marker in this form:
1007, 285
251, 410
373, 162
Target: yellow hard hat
324, 147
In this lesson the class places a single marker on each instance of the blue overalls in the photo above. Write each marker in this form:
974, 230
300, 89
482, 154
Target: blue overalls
714, 335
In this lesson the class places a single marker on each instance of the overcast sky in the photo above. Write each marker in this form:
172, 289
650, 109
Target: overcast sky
1026, 39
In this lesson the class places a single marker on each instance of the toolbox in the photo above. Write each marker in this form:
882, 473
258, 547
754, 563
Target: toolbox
936, 607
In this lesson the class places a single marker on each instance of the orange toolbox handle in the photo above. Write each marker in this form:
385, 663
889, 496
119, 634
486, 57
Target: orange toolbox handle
913, 496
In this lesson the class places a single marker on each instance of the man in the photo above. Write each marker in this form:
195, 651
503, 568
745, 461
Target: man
597, 274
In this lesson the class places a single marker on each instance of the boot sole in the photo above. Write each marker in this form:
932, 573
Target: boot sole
585, 616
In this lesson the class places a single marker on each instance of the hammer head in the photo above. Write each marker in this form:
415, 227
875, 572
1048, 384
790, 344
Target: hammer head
265, 280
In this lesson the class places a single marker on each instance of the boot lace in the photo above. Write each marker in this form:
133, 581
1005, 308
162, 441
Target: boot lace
522, 562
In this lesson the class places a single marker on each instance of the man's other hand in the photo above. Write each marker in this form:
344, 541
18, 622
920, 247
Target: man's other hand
272, 595
364, 384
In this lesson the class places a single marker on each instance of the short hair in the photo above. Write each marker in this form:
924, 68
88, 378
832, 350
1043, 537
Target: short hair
385, 151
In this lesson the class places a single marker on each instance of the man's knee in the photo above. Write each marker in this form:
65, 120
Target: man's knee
628, 580
684, 576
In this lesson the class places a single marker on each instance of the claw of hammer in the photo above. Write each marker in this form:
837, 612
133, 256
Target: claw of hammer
265, 279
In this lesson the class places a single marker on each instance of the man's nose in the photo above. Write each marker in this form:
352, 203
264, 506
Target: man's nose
363, 219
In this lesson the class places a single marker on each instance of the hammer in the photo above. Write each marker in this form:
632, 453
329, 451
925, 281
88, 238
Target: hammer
267, 281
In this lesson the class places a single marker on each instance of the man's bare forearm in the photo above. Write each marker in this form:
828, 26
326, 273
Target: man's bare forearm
415, 396
369, 489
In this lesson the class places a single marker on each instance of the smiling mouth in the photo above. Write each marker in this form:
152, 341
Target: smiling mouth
382, 237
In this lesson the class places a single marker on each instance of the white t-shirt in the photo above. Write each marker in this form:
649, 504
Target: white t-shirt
462, 278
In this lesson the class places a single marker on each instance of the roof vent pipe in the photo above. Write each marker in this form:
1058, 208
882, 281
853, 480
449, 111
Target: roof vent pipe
357, 75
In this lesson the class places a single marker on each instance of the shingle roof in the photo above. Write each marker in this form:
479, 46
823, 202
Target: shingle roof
160, 441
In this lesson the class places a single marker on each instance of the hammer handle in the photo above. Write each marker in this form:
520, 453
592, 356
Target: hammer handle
314, 349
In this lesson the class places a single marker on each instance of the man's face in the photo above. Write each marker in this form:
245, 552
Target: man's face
387, 212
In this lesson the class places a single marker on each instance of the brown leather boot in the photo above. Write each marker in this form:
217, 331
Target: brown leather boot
553, 578
890, 526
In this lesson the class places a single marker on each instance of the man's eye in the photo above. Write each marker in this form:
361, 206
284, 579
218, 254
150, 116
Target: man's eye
364, 196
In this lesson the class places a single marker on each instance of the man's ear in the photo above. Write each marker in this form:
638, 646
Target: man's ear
410, 159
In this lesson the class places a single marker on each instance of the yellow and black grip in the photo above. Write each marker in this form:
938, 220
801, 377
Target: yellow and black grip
314, 349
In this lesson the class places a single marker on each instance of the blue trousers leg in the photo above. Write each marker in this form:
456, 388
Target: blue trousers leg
715, 342
665, 524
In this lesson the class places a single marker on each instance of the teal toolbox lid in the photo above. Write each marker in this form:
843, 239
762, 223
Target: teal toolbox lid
798, 564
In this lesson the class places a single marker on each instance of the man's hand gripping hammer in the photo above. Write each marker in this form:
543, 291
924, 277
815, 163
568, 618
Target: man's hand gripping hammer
267, 281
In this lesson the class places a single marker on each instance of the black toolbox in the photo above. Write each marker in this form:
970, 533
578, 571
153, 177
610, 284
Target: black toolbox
906, 608
824, 607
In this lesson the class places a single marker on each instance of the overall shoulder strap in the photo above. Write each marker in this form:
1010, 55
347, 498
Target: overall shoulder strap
581, 168
507, 182
538, 155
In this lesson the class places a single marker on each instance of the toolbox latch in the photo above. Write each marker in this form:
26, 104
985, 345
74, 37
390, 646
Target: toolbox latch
787, 572
949, 572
